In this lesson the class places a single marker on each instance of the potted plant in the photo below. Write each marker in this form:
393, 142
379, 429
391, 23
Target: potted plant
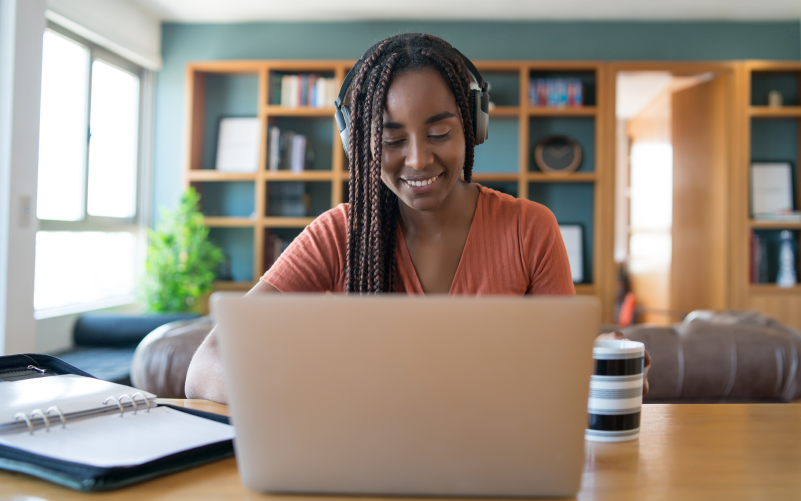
181, 261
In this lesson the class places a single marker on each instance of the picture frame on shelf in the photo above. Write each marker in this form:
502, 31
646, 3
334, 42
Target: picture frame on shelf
238, 144
573, 237
771, 189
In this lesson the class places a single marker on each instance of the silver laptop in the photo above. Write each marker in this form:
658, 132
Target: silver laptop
402, 395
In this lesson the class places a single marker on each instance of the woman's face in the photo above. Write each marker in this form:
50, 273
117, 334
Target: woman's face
423, 139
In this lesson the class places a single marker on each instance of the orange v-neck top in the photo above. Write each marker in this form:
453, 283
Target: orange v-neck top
514, 247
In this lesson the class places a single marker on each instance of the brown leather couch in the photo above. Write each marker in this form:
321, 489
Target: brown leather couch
709, 357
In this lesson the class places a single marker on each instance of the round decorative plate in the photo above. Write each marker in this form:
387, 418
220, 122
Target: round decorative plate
557, 154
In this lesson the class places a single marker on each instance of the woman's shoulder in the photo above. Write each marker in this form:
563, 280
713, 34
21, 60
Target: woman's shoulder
333, 220
504, 208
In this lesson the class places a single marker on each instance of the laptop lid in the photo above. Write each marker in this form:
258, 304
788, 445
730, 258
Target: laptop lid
403, 395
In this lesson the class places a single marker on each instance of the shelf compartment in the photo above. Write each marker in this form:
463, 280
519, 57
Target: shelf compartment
504, 87
571, 203
237, 246
297, 199
588, 82
582, 129
226, 96
235, 199
319, 134
786, 82
502, 152
771, 245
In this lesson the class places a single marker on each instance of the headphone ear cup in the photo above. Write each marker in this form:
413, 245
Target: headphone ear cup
480, 117
343, 122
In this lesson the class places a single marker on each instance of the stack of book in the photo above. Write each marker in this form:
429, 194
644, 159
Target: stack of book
305, 89
556, 92
287, 150
287, 199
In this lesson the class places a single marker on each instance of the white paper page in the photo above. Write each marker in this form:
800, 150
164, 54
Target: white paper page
69, 392
571, 235
238, 145
111, 440
771, 188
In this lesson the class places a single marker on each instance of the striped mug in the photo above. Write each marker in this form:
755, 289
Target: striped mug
613, 410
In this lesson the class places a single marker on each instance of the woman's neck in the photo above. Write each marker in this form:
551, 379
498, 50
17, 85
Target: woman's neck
455, 210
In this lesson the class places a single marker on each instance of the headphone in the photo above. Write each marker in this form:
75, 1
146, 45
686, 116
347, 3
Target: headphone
478, 102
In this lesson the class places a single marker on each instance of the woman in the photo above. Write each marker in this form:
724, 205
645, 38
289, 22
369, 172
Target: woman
415, 223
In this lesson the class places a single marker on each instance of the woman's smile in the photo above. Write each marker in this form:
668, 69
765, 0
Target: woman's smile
419, 184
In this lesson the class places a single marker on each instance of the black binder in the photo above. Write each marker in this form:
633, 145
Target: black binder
85, 477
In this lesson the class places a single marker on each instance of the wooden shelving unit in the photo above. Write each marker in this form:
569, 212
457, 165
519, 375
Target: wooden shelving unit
782, 303
510, 122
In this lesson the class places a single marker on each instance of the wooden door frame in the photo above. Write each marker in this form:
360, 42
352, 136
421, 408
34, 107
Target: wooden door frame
734, 134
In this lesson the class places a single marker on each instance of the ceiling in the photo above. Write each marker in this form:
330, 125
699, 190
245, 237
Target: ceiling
344, 10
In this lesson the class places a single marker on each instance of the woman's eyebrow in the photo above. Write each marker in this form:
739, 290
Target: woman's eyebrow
430, 120
441, 116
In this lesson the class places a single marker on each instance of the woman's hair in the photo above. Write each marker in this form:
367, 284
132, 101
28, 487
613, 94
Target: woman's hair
372, 218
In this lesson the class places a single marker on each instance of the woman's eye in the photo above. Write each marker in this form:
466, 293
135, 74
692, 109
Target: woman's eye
439, 136
387, 142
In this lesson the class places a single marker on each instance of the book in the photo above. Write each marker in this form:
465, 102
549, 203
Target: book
556, 92
303, 90
93, 435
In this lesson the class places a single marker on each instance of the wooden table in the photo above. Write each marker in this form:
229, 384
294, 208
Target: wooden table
685, 452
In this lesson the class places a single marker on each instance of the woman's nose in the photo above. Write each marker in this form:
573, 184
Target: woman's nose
419, 155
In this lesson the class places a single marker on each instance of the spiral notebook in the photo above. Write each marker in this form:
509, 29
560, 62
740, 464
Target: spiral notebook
94, 435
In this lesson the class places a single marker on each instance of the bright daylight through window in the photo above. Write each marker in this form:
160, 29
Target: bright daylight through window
88, 169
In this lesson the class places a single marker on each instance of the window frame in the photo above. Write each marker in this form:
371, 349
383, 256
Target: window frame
139, 222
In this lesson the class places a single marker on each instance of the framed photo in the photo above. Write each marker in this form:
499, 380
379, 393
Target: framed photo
573, 236
238, 145
771, 188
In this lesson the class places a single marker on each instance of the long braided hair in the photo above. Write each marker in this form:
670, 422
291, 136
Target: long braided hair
372, 218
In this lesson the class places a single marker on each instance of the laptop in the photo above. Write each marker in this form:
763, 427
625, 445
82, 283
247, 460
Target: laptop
404, 395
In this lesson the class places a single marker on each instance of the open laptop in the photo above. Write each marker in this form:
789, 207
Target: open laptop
402, 395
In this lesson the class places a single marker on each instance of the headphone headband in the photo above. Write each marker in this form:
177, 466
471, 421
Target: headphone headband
479, 104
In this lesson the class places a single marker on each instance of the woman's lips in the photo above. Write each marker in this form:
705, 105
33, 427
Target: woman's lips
421, 185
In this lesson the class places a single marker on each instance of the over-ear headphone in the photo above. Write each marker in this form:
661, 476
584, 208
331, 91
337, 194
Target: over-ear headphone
478, 100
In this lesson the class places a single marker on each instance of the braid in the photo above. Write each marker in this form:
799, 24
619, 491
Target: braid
371, 263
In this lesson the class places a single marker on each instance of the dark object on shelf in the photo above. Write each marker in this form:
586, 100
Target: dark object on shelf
558, 154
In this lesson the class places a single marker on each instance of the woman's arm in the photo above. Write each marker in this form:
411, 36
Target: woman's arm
205, 376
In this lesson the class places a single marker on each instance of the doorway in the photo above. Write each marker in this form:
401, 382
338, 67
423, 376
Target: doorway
672, 158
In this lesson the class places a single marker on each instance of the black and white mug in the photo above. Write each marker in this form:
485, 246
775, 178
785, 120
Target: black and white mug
613, 409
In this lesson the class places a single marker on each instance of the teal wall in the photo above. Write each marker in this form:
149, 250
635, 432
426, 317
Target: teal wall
182, 43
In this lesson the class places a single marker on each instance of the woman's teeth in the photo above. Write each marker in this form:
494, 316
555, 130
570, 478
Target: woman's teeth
424, 182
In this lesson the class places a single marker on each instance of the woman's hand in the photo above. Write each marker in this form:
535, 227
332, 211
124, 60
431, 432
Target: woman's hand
619, 336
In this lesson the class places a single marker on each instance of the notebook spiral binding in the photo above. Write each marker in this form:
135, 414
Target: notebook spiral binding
28, 418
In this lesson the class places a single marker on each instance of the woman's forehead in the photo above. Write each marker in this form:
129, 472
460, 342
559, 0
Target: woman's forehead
419, 91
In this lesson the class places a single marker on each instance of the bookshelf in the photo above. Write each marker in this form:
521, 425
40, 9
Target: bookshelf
769, 133
236, 205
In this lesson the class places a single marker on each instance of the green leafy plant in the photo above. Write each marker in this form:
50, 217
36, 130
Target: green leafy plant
181, 261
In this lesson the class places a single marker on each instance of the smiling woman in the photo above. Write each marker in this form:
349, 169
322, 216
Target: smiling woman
410, 120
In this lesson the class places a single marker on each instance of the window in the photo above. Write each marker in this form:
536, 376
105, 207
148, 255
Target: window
89, 142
